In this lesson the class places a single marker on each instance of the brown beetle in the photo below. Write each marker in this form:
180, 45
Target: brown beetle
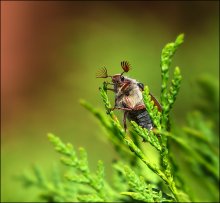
128, 97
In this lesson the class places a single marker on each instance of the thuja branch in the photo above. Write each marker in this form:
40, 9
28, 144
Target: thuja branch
110, 126
127, 141
79, 164
168, 97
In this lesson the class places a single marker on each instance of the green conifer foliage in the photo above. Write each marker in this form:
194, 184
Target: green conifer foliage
82, 185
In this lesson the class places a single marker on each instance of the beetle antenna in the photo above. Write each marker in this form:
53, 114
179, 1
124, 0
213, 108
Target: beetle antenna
102, 73
125, 66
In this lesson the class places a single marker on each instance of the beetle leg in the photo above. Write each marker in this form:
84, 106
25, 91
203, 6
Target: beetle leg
106, 84
124, 120
111, 89
121, 108
128, 108
139, 107
109, 83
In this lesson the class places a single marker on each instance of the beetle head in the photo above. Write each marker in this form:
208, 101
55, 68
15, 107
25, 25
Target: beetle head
117, 78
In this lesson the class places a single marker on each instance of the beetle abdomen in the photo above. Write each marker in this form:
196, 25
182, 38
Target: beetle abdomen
141, 117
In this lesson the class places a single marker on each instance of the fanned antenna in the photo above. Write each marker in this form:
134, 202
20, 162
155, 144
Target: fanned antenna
125, 66
102, 73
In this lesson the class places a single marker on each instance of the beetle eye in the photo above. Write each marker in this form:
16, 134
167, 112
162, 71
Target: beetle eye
122, 78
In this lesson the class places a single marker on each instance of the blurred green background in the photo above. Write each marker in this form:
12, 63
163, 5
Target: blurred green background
50, 52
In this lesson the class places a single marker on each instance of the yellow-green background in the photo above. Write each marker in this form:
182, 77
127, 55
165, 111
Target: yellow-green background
50, 52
